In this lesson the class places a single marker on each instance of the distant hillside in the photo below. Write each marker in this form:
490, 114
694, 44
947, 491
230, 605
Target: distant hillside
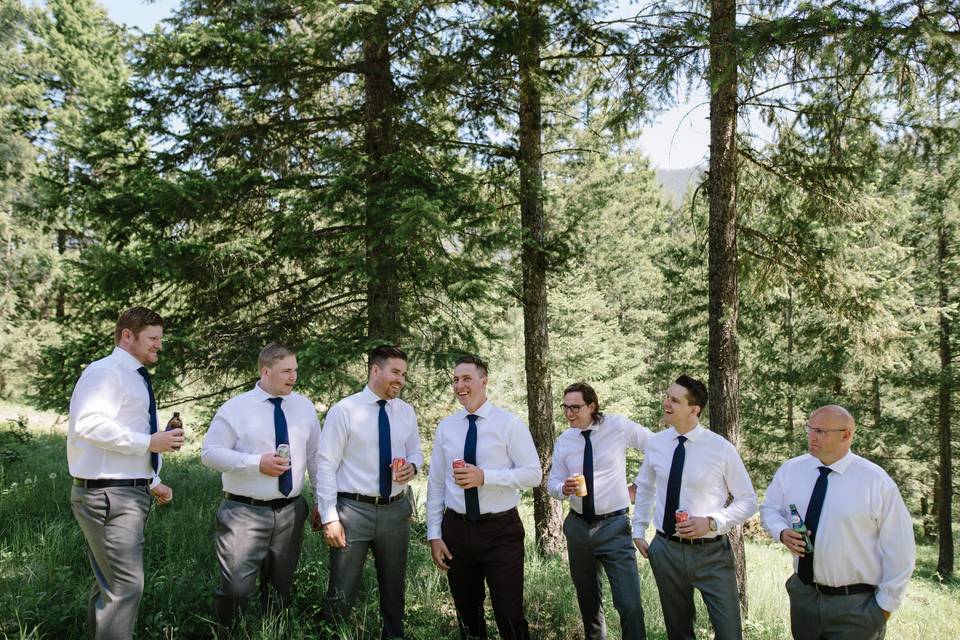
676, 182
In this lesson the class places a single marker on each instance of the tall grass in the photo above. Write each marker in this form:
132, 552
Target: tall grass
44, 574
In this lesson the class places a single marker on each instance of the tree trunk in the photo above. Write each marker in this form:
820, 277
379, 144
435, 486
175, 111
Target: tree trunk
546, 511
383, 287
944, 518
877, 416
790, 374
724, 363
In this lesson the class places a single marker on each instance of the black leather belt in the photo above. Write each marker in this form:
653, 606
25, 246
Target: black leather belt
378, 500
847, 590
602, 516
276, 503
102, 484
693, 541
483, 516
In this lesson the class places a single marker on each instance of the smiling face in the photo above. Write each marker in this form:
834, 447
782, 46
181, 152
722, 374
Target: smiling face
677, 410
470, 386
576, 411
387, 380
278, 378
144, 346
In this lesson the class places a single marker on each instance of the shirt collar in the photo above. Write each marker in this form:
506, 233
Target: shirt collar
840, 466
482, 411
692, 436
261, 394
370, 397
126, 358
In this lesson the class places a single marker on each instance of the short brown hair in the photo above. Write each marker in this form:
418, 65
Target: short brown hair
380, 354
136, 319
589, 397
272, 354
696, 391
476, 361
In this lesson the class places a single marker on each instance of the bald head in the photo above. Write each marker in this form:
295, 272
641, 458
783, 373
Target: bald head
831, 433
835, 416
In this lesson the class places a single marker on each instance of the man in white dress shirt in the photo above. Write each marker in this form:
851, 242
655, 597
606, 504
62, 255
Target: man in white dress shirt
361, 492
861, 532
473, 526
686, 467
113, 447
597, 527
260, 521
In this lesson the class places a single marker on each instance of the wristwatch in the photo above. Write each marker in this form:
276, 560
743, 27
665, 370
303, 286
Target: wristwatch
713, 524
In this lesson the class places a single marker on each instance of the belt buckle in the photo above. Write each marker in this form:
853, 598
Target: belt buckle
379, 500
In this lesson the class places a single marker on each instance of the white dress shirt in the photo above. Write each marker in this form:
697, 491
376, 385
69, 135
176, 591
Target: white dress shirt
109, 433
505, 453
243, 430
712, 471
865, 533
609, 440
350, 448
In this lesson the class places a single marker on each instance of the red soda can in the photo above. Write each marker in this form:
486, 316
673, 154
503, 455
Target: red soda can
459, 463
682, 515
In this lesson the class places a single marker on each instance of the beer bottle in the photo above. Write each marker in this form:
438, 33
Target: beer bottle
796, 523
175, 423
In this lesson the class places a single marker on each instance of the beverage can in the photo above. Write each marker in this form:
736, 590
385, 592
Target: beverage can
284, 451
682, 515
459, 463
581, 485
396, 464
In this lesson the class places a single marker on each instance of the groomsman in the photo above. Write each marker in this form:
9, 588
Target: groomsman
688, 468
597, 527
369, 451
483, 456
861, 532
113, 447
262, 441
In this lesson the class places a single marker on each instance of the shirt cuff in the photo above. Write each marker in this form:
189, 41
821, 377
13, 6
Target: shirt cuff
329, 515
251, 462
139, 443
886, 601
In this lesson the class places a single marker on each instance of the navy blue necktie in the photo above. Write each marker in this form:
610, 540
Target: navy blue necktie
805, 566
154, 457
673, 488
282, 437
589, 510
471, 496
386, 452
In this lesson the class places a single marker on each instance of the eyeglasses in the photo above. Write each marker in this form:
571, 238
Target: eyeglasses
572, 408
820, 432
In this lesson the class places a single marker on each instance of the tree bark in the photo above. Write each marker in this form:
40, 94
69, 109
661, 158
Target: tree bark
944, 517
546, 511
383, 286
724, 363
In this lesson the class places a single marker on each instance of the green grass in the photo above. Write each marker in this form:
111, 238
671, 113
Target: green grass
44, 574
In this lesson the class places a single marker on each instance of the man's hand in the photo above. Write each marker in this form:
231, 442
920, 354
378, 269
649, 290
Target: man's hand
166, 441
440, 554
695, 527
273, 465
334, 535
162, 493
315, 523
570, 486
468, 477
404, 474
632, 491
886, 614
642, 547
793, 540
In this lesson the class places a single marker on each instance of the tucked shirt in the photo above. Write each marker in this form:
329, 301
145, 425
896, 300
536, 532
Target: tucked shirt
350, 448
865, 533
609, 440
505, 453
243, 430
712, 471
109, 432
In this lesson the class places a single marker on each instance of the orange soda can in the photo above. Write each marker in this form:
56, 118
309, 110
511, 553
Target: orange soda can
682, 515
459, 463
581, 485
396, 464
